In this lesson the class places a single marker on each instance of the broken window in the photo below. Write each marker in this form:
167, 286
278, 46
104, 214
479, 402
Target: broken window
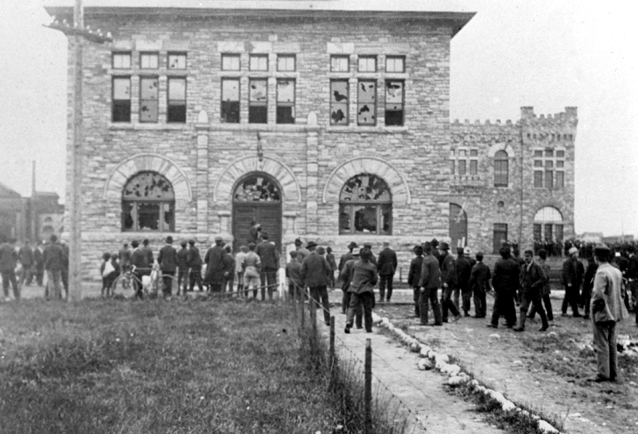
258, 62
121, 61
501, 169
258, 101
394, 103
395, 64
286, 62
339, 96
285, 101
149, 60
365, 206
176, 100
148, 203
367, 63
367, 102
230, 62
230, 100
339, 63
149, 90
121, 109
257, 189
176, 60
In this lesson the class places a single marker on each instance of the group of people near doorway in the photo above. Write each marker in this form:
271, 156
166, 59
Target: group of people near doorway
21, 265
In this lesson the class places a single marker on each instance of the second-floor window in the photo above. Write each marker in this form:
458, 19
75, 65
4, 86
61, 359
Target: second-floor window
339, 63
149, 60
176, 60
285, 101
121, 105
394, 113
395, 64
149, 91
230, 100
549, 168
339, 97
230, 62
501, 169
121, 61
367, 102
176, 100
258, 62
367, 64
258, 101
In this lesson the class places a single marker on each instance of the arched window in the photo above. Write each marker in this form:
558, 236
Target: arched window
365, 206
548, 225
501, 169
148, 203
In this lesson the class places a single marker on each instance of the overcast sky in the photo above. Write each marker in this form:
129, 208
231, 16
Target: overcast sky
547, 54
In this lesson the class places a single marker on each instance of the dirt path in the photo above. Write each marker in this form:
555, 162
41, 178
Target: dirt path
543, 371
432, 409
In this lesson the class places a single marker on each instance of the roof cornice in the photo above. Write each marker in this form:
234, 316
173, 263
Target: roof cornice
458, 19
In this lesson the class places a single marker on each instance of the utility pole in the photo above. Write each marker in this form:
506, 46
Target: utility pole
79, 34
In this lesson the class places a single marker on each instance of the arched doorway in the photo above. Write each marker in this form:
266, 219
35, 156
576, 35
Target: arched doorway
458, 227
256, 197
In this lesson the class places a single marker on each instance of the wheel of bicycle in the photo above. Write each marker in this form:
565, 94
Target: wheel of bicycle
123, 286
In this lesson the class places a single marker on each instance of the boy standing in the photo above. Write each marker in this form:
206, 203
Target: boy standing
364, 277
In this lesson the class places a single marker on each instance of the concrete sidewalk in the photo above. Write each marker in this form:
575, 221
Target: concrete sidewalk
428, 407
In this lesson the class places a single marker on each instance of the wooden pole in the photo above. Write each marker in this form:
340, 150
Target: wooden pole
301, 308
367, 396
332, 342
75, 209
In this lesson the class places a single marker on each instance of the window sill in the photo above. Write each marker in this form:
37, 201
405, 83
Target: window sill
355, 129
263, 127
147, 127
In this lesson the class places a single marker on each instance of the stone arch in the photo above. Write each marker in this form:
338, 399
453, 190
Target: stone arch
242, 166
342, 173
491, 152
148, 162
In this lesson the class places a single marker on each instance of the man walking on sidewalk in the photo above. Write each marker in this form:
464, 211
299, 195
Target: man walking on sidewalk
430, 281
386, 266
505, 283
314, 272
448, 279
364, 277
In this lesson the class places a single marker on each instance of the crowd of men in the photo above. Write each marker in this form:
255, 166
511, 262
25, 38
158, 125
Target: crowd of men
22, 265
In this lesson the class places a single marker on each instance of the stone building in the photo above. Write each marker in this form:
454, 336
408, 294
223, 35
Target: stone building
316, 119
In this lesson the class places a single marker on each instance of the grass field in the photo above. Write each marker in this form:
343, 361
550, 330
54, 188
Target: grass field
109, 366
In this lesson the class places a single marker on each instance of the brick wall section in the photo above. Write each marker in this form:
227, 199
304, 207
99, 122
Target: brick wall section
204, 150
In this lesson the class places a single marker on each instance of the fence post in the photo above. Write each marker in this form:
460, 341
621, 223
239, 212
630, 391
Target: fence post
332, 342
367, 394
313, 323
303, 314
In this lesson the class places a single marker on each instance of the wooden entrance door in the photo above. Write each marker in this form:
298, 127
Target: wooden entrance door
256, 198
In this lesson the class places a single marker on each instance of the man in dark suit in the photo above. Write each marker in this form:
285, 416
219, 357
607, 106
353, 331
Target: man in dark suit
463, 274
386, 266
505, 282
314, 272
26, 259
39, 263
140, 266
532, 280
449, 282
194, 265
216, 271
182, 268
269, 257
55, 260
8, 261
573, 272
167, 260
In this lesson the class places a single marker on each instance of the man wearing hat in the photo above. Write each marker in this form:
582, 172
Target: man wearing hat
342, 263
269, 257
194, 264
449, 281
414, 277
314, 273
607, 309
386, 266
573, 272
463, 273
216, 266
430, 280
301, 252
167, 260
182, 268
